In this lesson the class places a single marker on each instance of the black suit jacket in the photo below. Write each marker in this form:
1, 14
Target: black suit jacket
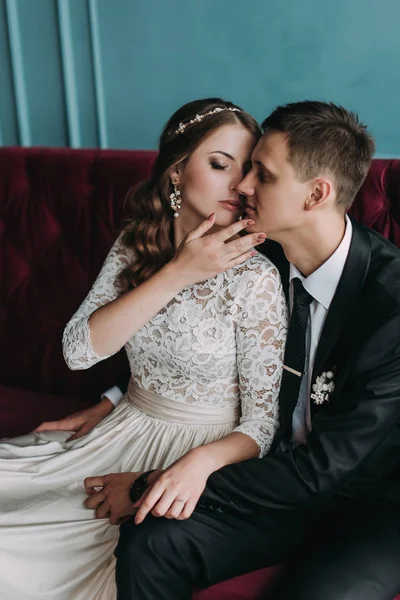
354, 446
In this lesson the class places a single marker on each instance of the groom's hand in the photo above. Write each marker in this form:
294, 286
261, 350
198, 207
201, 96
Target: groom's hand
109, 496
80, 422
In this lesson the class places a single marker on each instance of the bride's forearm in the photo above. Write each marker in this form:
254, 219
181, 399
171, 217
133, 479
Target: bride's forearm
235, 447
113, 324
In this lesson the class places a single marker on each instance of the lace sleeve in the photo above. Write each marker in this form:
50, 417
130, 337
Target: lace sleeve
77, 348
260, 336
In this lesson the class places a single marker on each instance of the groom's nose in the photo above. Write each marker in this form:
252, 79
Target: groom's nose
246, 186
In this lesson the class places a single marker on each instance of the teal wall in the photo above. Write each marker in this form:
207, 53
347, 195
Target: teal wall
108, 73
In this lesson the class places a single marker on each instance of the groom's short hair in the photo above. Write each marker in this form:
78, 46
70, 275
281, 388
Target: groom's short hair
324, 138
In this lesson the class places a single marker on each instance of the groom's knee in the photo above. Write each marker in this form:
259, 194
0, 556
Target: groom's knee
156, 539
154, 560
138, 540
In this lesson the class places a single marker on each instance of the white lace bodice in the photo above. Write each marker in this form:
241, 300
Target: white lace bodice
218, 343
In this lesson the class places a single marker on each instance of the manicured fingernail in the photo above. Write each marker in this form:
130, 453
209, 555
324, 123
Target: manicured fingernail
250, 222
210, 218
261, 237
254, 253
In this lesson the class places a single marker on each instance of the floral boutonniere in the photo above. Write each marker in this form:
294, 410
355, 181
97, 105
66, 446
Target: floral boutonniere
323, 387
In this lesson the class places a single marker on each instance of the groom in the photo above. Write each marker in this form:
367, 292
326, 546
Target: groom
329, 492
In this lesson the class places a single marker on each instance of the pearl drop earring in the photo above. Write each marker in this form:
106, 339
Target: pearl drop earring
175, 200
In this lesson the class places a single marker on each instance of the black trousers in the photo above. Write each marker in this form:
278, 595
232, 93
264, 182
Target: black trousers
349, 552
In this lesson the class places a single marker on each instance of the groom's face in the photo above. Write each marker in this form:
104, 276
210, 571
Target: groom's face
275, 196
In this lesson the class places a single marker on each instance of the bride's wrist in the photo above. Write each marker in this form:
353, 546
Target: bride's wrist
206, 458
176, 277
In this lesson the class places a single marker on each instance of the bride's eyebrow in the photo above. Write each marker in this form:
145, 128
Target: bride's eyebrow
223, 153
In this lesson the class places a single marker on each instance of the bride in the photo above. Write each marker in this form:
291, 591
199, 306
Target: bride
205, 344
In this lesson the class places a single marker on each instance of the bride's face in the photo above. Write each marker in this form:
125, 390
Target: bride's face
208, 181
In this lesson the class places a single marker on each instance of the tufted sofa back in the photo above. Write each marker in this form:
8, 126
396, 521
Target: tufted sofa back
60, 211
378, 202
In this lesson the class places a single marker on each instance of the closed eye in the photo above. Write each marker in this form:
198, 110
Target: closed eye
262, 177
218, 166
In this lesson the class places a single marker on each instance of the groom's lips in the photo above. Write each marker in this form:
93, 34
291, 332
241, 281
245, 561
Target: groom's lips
249, 207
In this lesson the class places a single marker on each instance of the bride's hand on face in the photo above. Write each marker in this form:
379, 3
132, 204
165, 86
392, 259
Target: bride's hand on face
200, 256
175, 492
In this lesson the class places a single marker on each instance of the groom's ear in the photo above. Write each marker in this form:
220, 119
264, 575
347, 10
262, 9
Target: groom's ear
320, 191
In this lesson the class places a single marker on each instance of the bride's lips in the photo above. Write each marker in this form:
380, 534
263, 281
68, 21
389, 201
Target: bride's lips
231, 205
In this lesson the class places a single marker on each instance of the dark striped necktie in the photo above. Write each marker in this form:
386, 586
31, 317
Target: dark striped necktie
295, 350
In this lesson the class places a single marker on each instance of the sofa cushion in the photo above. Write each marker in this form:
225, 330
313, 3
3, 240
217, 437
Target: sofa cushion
252, 586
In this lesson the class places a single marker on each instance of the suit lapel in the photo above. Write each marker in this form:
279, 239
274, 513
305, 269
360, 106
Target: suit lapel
346, 296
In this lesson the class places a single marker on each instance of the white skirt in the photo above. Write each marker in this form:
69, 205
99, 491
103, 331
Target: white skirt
51, 546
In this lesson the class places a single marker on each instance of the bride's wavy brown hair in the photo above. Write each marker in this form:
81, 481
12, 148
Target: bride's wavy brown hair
148, 224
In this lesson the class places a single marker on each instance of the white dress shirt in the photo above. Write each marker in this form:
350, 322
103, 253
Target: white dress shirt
321, 285
114, 395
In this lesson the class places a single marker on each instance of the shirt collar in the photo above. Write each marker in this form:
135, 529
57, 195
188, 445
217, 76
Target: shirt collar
323, 282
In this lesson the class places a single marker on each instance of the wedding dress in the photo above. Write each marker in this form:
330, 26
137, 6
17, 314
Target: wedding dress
207, 364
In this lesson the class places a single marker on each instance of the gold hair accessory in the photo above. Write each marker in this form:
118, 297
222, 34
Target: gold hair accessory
198, 118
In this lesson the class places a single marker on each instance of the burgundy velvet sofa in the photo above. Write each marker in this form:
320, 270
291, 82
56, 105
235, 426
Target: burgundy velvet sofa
60, 211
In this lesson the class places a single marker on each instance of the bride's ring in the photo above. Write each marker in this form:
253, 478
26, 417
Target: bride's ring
180, 500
